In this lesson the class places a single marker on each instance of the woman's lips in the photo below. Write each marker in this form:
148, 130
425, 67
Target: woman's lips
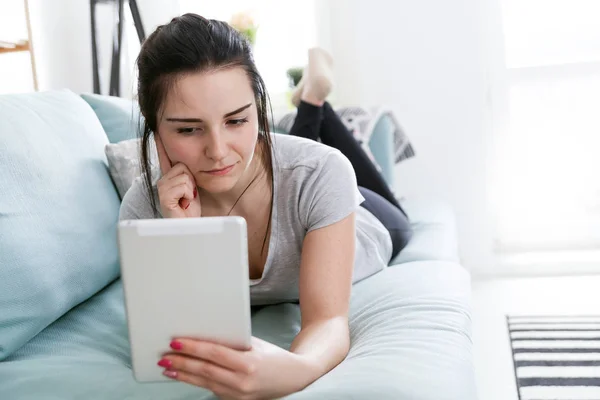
220, 172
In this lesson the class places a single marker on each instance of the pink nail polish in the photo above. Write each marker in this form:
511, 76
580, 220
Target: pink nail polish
175, 345
170, 374
165, 363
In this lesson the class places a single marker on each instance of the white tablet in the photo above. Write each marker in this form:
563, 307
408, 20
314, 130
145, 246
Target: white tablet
183, 277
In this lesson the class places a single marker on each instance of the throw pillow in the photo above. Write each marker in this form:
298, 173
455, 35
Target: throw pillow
362, 122
124, 162
284, 123
58, 212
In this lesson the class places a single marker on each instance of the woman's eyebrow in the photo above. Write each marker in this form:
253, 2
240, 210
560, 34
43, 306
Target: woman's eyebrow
184, 120
229, 114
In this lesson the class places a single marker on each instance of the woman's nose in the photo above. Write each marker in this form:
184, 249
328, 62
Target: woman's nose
216, 147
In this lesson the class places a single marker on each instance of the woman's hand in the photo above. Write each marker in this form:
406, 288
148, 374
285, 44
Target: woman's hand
177, 192
263, 372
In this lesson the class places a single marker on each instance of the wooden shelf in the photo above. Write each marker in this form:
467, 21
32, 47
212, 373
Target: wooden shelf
16, 49
22, 45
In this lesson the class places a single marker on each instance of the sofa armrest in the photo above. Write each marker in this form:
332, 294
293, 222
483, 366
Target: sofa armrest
410, 334
435, 235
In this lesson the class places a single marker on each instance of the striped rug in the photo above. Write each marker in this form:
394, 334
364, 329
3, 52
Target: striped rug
556, 357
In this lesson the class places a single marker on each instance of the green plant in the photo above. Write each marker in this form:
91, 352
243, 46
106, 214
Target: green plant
250, 34
294, 75
243, 22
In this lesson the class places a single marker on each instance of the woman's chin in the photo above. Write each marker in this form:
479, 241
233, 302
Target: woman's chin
220, 183
217, 185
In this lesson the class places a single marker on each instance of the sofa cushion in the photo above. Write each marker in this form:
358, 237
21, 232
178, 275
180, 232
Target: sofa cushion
434, 232
410, 333
119, 117
58, 212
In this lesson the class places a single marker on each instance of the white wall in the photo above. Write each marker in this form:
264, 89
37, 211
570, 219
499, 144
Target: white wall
62, 41
428, 61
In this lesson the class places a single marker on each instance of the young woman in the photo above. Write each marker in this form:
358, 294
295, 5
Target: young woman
311, 230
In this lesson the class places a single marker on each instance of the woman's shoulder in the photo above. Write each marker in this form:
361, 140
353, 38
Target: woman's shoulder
316, 176
310, 167
293, 152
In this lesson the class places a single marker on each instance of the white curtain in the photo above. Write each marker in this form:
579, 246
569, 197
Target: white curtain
547, 186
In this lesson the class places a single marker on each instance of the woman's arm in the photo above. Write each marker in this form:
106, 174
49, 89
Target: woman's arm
325, 284
268, 371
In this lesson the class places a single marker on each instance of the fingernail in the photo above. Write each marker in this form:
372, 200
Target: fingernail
195, 192
165, 363
170, 374
184, 203
175, 345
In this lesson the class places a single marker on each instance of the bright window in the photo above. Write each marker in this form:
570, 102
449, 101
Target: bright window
548, 194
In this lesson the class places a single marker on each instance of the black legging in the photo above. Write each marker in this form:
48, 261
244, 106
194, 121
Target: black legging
314, 122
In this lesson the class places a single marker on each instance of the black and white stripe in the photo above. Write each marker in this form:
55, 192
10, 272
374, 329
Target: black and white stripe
556, 357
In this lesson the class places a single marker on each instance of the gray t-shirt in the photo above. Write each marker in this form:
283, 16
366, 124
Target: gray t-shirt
314, 186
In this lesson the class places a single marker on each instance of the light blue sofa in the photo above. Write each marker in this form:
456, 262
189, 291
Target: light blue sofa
63, 332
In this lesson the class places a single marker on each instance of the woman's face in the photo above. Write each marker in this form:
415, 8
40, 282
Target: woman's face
209, 123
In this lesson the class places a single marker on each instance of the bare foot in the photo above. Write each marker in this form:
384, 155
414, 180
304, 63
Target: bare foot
296, 96
316, 82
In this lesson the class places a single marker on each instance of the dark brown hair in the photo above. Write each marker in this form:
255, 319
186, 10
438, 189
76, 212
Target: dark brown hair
192, 44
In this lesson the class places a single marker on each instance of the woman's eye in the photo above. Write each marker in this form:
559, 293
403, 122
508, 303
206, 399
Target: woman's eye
236, 122
186, 131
